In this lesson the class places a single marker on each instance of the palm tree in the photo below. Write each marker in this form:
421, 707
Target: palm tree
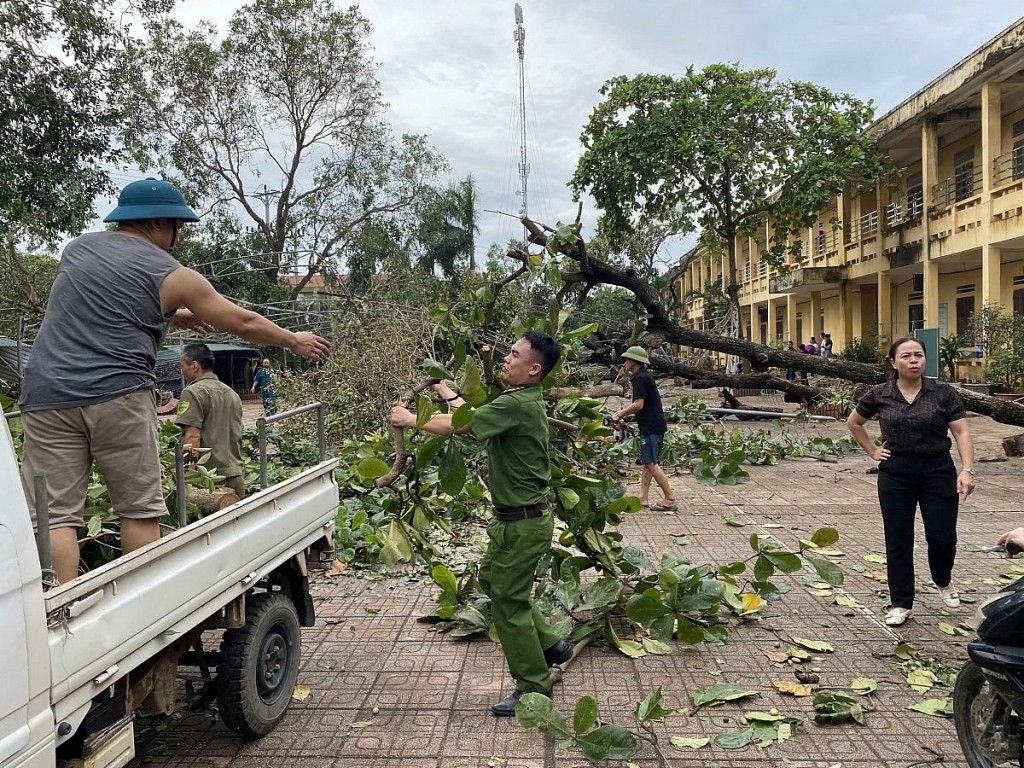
449, 228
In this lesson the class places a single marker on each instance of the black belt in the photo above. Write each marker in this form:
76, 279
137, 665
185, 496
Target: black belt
511, 514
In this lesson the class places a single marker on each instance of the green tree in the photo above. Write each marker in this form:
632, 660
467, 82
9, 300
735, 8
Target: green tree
25, 282
291, 92
449, 228
66, 109
720, 151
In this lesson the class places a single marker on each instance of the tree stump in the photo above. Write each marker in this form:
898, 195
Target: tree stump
1014, 445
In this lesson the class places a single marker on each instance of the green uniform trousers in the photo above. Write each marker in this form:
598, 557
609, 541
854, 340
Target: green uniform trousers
506, 574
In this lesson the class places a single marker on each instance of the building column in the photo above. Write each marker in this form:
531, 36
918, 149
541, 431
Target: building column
849, 303
885, 336
791, 319
931, 294
991, 131
929, 178
991, 268
815, 324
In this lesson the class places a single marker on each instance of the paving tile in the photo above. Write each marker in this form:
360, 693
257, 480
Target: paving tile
433, 691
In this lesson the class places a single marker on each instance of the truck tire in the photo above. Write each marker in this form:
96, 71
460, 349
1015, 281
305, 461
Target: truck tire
258, 665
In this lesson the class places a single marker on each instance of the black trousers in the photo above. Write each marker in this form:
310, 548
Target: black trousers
904, 482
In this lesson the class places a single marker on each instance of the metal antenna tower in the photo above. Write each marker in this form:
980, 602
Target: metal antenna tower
524, 167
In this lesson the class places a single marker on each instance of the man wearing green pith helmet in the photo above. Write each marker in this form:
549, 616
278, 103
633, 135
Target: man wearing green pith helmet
650, 418
88, 392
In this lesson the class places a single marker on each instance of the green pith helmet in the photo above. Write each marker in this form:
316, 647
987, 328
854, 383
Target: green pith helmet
151, 199
637, 353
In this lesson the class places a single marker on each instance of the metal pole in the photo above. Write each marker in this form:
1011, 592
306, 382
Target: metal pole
321, 436
179, 484
261, 427
43, 523
21, 333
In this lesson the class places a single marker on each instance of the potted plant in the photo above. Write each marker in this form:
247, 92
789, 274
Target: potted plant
949, 353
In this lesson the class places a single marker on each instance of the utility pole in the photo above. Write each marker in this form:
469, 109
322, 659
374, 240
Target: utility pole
524, 167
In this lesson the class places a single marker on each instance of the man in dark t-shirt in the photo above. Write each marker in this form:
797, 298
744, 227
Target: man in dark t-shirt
650, 418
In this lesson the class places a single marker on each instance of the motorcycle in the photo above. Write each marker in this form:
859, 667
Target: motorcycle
988, 698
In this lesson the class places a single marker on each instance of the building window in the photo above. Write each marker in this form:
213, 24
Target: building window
915, 316
964, 310
1017, 160
821, 242
963, 173
1018, 301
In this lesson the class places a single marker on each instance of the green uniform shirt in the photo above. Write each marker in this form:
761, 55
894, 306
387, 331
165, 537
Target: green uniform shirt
216, 409
514, 430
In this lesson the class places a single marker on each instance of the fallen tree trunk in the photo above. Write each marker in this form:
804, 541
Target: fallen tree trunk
207, 502
595, 391
661, 328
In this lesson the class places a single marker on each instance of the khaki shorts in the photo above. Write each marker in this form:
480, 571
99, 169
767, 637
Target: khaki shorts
119, 434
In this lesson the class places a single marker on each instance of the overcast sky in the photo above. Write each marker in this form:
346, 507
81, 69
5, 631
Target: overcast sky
449, 69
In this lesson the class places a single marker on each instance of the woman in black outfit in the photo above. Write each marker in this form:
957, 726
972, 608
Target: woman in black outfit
915, 467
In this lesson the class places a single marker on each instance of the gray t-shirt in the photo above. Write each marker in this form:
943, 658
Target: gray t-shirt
102, 326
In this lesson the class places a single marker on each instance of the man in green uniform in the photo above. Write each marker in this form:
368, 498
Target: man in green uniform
513, 428
210, 415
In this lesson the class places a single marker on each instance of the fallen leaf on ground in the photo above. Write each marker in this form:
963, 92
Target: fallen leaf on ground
301, 692
794, 689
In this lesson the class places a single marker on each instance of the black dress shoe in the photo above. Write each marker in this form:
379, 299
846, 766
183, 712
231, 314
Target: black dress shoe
507, 706
559, 653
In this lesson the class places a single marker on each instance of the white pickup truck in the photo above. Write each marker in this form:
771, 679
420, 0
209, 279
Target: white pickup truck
80, 659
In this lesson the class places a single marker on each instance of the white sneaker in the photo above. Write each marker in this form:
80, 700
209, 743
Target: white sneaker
897, 616
949, 596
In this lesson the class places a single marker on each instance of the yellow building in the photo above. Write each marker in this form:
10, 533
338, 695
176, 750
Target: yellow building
946, 243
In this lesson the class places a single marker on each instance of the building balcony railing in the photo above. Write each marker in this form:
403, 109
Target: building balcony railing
959, 186
864, 227
1008, 167
904, 210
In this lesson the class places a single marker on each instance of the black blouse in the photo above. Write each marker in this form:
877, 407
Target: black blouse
918, 428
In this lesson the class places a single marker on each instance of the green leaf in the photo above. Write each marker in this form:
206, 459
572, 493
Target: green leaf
371, 469
462, 416
862, 686
452, 472
828, 572
536, 710
813, 645
720, 693
436, 371
397, 547
825, 537
786, 562
424, 410
472, 389
837, 707
905, 651
585, 715
652, 708
687, 632
734, 739
583, 330
568, 497
645, 607
609, 742
444, 578
458, 356
656, 647
601, 593
430, 448
764, 569
934, 707
692, 742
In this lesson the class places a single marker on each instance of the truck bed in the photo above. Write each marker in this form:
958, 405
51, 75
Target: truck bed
107, 622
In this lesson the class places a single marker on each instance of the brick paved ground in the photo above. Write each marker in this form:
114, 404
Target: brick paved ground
432, 691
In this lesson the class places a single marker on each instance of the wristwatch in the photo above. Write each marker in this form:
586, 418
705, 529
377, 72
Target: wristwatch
971, 470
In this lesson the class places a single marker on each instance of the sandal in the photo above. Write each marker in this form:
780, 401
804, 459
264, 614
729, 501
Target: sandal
666, 506
897, 616
949, 595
